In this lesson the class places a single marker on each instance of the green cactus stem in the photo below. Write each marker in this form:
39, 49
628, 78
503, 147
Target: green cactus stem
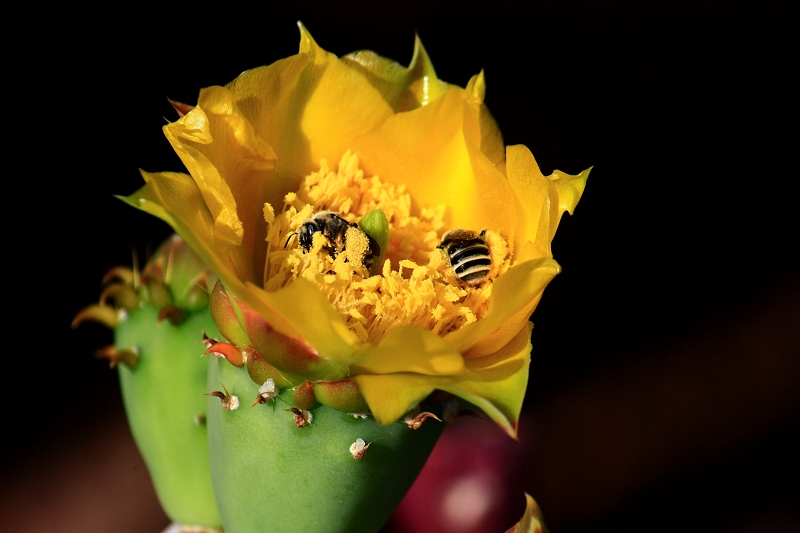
279, 467
160, 317
165, 404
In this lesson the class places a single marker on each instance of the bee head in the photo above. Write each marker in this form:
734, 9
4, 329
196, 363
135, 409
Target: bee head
306, 234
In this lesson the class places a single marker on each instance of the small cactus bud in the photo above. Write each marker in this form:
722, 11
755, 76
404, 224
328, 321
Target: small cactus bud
196, 297
228, 351
156, 292
303, 396
293, 357
376, 226
260, 371
224, 314
342, 395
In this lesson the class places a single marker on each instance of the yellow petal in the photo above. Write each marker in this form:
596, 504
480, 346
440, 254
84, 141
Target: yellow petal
176, 199
231, 166
482, 125
427, 151
310, 316
253, 141
403, 88
541, 200
496, 383
409, 349
390, 396
514, 296
307, 107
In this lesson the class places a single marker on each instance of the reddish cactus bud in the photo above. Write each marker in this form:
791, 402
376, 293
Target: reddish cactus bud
230, 352
260, 371
303, 396
294, 358
224, 315
342, 395
208, 341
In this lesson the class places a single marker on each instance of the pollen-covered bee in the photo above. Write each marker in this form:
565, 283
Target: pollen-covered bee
336, 230
331, 225
468, 255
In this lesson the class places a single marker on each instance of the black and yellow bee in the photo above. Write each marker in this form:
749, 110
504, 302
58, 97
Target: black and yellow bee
329, 224
335, 228
468, 254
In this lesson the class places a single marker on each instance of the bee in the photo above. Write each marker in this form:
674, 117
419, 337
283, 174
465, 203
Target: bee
330, 224
334, 227
468, 255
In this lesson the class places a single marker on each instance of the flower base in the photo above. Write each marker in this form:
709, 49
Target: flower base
271, 475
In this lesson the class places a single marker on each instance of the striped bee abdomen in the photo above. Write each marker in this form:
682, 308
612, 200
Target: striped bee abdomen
468, 255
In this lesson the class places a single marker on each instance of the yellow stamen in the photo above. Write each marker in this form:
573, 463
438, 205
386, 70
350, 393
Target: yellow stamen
416, 284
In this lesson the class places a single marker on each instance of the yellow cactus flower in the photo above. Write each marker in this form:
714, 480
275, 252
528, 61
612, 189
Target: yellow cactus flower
395, 319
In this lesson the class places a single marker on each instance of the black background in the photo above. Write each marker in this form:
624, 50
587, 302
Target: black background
664, 385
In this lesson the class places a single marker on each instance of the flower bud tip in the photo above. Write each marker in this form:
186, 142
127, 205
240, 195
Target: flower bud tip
180, 107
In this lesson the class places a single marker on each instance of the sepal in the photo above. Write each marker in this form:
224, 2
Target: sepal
343, 395
293, 358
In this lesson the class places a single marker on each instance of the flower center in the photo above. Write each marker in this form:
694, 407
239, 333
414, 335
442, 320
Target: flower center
416, 281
